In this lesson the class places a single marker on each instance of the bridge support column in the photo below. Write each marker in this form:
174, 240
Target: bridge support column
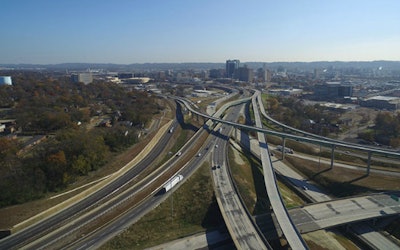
369, 162
332, 156
283, 147
237, 134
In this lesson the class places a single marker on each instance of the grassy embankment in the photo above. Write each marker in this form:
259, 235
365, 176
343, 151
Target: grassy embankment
248, 176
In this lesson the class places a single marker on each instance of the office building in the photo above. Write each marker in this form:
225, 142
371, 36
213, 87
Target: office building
245, 74
216, 73
85, 78
332, 90
263, 75
231, 67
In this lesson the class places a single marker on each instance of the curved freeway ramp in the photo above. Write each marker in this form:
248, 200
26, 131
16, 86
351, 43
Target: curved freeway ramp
288, 228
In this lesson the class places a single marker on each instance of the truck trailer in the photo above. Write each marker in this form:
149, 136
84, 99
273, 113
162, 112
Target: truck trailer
172, 182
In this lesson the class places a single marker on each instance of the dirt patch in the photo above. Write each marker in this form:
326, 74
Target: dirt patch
358, 120
326, 240
342, 181
238, 159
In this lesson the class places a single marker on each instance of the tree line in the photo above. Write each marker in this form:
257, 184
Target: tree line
295, 113
385, 131
64, 112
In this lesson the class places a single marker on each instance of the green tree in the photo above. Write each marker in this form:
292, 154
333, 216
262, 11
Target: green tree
81, 165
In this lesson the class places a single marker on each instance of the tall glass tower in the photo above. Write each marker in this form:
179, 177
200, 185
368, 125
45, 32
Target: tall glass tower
231, 67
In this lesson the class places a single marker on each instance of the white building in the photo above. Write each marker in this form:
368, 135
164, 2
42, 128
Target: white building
5, 80
85, 78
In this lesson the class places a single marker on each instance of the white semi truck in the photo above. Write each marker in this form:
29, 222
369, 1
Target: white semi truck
172, 182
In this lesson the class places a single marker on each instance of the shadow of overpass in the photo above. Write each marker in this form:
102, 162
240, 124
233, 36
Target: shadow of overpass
181, 120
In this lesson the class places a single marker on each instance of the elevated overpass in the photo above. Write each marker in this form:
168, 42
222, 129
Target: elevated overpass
313, 140
318, 141
243, 230
287, 226
291, 234
334, 213
239, 223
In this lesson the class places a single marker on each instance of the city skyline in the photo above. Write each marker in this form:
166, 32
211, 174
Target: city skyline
177, 31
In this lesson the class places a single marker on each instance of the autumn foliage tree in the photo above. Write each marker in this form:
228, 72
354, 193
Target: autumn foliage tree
62, 110
387, 126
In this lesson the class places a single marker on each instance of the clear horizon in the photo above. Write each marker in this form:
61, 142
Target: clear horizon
178, 31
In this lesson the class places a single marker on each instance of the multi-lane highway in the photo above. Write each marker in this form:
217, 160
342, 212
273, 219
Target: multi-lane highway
104, 192
100, 236
97, 238
243, 230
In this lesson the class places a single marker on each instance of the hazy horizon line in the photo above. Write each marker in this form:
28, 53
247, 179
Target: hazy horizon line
189, 62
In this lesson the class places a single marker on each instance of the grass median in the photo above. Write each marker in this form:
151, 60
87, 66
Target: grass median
249, 178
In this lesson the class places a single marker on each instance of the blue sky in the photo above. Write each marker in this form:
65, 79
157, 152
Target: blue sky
146, 31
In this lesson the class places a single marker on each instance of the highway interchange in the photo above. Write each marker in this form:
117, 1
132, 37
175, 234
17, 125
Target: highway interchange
43, 235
